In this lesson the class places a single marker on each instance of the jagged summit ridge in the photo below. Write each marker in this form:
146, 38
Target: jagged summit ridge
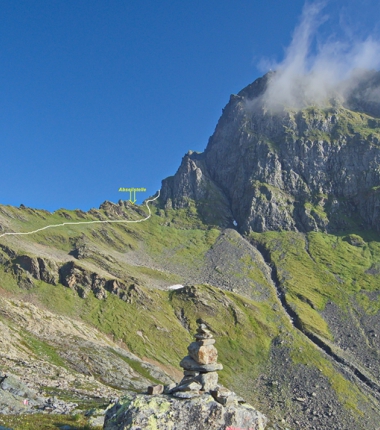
316, 168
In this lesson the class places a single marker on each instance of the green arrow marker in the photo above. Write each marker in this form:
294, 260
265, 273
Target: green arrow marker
132, 193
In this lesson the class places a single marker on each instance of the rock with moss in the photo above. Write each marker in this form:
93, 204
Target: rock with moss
167, 413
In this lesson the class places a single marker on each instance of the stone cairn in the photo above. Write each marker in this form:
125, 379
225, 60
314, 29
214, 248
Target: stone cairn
200, 366
200, 372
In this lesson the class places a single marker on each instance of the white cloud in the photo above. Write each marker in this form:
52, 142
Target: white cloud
311, 75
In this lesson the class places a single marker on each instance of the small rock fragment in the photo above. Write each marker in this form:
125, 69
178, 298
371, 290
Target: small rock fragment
203, 354
208, 380
155, 389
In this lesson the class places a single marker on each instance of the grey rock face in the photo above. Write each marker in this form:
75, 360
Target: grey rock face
164, 412
192, 182
39, 268
312, 169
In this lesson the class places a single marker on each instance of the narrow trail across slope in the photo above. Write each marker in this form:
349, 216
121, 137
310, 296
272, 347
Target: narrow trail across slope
87, 222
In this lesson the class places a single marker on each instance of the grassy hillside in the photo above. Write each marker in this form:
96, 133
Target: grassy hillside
264, 297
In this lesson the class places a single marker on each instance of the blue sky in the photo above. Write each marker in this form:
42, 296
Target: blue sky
97, 95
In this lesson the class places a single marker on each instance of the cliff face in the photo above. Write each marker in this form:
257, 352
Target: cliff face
316, 168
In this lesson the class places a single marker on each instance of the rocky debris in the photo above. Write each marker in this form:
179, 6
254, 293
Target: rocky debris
315, 404
16, 397
155, 389
226, 258
356, 336
56, 406
223, 266
164, 412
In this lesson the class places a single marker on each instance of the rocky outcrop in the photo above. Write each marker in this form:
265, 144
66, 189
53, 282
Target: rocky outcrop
303, 170
39, 268
192, 183
16, 397
84, 281
27, 268
164, 412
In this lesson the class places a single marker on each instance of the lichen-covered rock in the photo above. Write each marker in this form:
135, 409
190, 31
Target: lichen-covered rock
166, 413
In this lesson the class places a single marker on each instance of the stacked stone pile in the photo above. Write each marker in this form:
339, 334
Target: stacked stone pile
200, 366
197, 402
200, 372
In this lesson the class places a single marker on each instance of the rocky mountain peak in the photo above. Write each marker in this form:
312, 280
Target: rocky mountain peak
302, 169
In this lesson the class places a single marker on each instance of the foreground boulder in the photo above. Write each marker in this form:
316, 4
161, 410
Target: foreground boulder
164, 412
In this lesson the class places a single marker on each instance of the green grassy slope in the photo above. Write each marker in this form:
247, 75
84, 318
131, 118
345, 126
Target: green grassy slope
157, 324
